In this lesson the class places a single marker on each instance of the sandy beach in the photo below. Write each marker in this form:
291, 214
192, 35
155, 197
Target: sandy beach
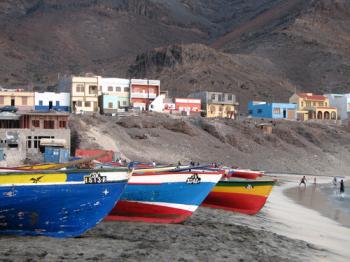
283, 231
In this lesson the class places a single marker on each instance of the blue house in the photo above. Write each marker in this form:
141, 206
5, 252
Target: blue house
259, 109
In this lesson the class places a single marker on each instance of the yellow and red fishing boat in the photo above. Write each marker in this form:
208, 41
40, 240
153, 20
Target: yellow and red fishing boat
240, 195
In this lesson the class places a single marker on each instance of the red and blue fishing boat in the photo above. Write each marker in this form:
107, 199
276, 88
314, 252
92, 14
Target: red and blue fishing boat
164, 197
240, 195
58, 203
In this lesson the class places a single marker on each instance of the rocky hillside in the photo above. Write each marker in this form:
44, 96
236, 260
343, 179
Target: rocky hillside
187, 68
292, 147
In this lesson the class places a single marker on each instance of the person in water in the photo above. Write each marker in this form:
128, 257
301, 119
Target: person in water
342, 187
303, 181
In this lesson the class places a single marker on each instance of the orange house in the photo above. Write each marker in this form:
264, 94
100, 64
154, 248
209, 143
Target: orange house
143, 92
188, 105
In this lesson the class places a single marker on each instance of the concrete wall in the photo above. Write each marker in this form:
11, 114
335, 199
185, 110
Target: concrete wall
341, 102
28, 141
60, 101
114, 86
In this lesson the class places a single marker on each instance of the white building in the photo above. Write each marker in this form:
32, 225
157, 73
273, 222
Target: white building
114, 86
342, 103
45, 101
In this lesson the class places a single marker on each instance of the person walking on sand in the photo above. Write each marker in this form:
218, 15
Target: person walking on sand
303, 181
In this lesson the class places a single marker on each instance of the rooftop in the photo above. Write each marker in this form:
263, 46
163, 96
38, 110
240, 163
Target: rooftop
310, 96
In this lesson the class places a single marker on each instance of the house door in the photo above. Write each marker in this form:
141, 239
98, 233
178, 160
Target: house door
12, 101
50, 105
284, 113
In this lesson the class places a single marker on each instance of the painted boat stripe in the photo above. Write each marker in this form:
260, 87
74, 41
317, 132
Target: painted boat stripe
256, 190
62, 183
190, 208
173, 178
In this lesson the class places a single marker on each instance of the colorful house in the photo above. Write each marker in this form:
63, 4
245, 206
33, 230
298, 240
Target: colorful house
217, 104
259, 109
24, 101
46, 101
310, 106
115, 94
84, 92
342, 103
143, 92
188, 105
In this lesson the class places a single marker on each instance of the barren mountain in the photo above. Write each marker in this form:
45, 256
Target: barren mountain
265, 49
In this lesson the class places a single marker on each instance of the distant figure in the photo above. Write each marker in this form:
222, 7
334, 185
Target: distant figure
303, 181
154, 164
335, 181
315, 180
197, 163
120, 161
342, 187
178, 164
4, 156
191, 163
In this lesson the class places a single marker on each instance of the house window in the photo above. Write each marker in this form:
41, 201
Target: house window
79, 103
36, 123
40, 102
124, 103
229, 97
321, 103
126, 89
308, 103
213, 96
302, 104
24, 100
277, 110
57, 103
110, 88
212, 109
49, 124
325, 103
110, 105
220, 99
118, 89
87, 104
93, 90
314, 103
250, 112
80, 88
1, 100
259, 111
62, 124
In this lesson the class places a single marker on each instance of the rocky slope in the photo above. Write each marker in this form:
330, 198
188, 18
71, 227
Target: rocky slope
292, 147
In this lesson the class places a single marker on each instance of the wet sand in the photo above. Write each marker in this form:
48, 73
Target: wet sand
282, 231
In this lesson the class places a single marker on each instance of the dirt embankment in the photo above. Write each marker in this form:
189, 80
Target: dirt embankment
309, 148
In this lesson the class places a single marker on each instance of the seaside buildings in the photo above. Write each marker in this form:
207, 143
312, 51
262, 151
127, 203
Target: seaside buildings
22, 100
259, 109
115, 95
46, 101
342, 103
310, 106
217, 104
84, 92
143, 92
187, 106
26, 134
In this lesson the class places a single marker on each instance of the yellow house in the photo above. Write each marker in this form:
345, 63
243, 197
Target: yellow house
84, 92
24, 101
217, 104
310, 106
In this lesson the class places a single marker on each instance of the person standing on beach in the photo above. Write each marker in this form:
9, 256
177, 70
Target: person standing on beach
303, 181
335, 181
342, 187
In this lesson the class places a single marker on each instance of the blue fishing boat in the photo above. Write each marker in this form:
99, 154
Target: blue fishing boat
61, 203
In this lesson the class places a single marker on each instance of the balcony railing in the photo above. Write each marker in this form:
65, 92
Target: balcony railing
143, 95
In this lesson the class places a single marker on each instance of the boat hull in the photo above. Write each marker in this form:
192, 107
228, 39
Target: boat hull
57, 205
247, 197
166, 198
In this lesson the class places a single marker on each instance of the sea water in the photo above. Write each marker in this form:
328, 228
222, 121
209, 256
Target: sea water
340, 201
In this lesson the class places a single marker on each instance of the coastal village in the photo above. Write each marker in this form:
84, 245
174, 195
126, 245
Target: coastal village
34, 125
